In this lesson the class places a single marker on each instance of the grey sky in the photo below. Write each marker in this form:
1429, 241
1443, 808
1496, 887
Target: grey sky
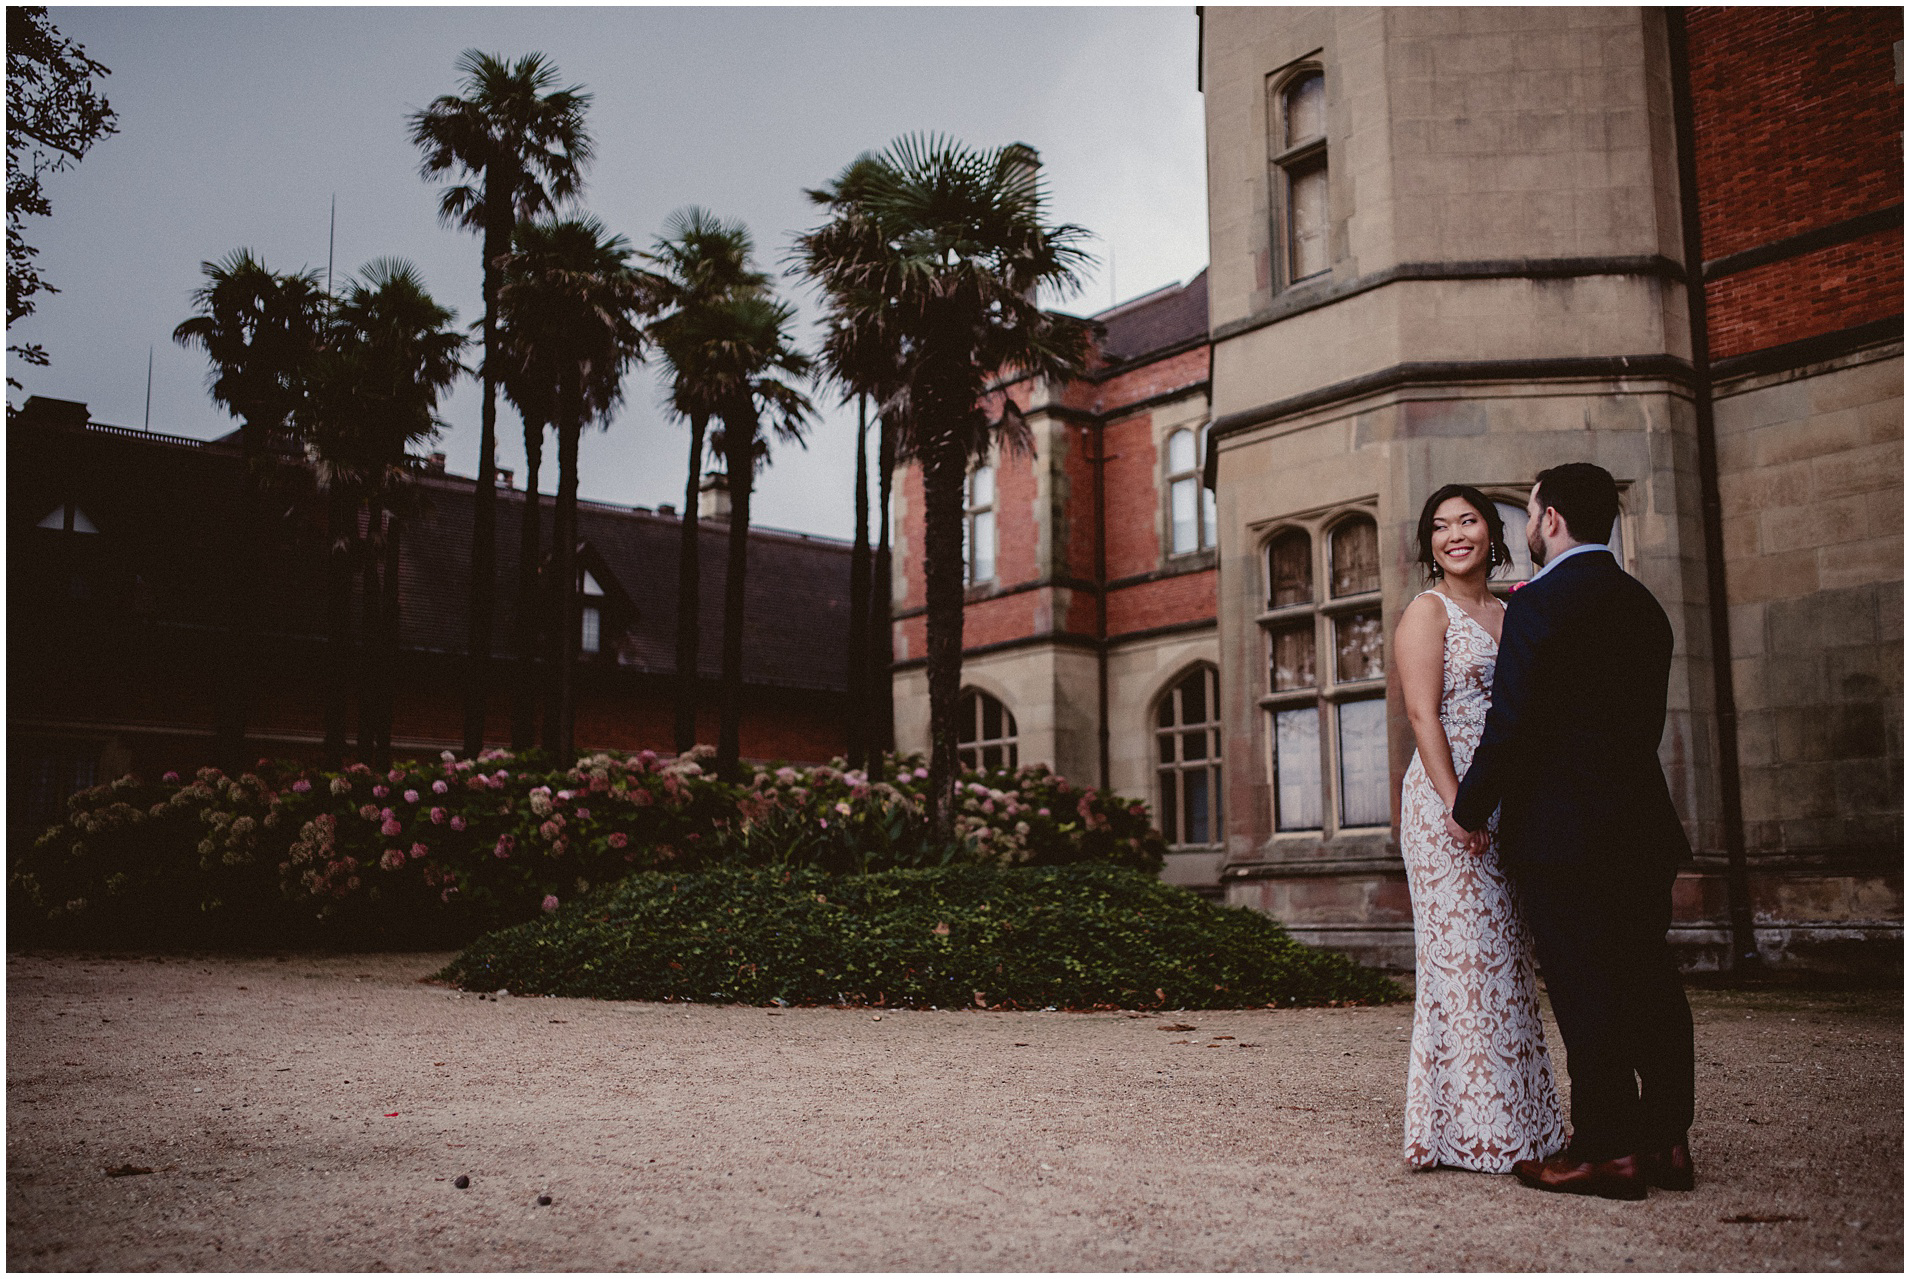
237, 126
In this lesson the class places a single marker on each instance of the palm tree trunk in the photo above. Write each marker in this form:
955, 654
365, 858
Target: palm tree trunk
388, 644
524, 695
242, 599
741, 467
477, 692
371, 627
689, 594
858, 710
564, 586
341, 528
881, 627
945, 470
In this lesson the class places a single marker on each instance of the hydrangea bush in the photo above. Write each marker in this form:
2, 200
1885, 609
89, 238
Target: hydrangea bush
438, 850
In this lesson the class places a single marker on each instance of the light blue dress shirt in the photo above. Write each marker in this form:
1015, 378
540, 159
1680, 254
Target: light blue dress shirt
1562, 556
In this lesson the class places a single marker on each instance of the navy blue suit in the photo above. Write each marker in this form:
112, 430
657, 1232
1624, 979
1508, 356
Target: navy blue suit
1591, 840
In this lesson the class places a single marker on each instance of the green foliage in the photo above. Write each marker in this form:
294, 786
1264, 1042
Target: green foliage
429, 853
1079, 936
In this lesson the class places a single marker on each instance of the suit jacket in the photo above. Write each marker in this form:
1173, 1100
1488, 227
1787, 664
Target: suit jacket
1570, 746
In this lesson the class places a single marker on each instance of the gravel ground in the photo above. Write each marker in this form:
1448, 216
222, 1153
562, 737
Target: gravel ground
313, 1113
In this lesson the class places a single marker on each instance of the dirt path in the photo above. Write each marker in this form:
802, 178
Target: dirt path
312, 1113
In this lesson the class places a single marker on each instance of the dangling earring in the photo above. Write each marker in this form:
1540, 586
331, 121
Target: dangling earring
1436, 572
1492, 556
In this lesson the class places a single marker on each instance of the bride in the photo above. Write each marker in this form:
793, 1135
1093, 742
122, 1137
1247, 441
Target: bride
1479, 1090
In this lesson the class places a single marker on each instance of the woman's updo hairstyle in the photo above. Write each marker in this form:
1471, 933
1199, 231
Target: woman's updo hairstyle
1498, 555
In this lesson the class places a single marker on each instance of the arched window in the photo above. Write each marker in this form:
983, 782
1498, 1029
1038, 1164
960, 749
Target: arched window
985, 733
1326, 718
1190, 507
1298, 170
978, 525
1187, 739
590, 615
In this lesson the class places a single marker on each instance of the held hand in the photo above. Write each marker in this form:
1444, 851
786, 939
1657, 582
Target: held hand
1473, 841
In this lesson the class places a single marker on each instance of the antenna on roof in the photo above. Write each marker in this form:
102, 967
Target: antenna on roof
149, 386
331, 243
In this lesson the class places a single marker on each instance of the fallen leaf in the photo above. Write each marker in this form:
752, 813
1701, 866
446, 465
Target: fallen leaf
1175, 1028
1218, 1038
558, 1021
940, 930
128, 1170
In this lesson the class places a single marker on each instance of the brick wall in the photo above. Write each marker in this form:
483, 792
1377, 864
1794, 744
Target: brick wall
1187, 597
1800, 126
1799, 119
1835, 288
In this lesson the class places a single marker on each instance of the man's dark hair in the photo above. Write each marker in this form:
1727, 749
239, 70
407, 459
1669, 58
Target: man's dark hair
1585, 496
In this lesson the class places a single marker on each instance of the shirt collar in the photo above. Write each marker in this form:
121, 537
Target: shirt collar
1562, 556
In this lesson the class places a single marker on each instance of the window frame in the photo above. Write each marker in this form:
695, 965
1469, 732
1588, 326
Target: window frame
971, 511
1178, 768
1206, 513
1009, 744
1328, 693
1287, 161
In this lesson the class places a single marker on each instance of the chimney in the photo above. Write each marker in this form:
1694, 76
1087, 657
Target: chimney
713, 497
504, 475
667, 508
41, 410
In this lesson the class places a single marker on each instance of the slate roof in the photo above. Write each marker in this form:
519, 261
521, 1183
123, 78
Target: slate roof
1154, 321
162, 504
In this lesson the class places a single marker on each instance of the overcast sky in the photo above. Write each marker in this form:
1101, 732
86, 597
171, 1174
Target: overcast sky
238, 126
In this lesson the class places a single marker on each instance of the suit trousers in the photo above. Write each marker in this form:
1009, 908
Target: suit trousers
1599, 930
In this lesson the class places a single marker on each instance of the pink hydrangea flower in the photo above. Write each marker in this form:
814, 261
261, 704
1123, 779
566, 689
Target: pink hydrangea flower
842, 806
393, 859
583, 814
437, 817
380, 791
505, 843
457, 823
370, 813
411, 797
618, 839
301, 786
392, 826
396, 775
921, 774
418, 850
440, 787
1045, 813
550, 904
170, 776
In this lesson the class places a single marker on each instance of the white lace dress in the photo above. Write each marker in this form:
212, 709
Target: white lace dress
1479, 1090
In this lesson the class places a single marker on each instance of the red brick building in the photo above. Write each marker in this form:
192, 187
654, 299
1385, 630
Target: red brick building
1464, 245
115, 608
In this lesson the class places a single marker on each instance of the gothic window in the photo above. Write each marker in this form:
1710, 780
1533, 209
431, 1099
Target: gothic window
1190, 507
1187, 741
1325, 693
978, 525
591, 616
1299, 168
985, 733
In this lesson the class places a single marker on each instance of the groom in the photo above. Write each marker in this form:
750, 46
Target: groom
1590, 838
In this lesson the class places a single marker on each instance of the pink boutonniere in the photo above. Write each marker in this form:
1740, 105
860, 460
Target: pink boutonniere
1518, 586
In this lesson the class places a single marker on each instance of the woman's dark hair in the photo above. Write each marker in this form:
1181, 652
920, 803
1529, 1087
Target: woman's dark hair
1499, 555
1585, 496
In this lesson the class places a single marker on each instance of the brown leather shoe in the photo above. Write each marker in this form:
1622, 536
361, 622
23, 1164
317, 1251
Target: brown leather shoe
1670, 1168
1566, 1174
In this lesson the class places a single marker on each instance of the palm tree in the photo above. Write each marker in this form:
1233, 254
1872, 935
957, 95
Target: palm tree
752, 355
573, 298
258, 329
701, 263
521, 144
390, 355
527, 385
935, 256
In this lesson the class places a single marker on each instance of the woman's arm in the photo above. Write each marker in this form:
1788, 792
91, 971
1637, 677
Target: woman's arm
1419, 654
